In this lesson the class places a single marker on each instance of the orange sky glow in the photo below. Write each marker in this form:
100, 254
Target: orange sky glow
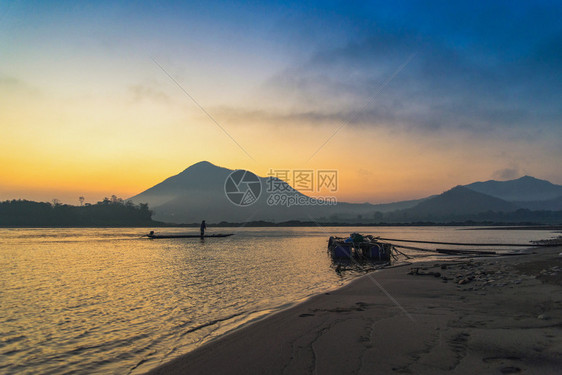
104, 100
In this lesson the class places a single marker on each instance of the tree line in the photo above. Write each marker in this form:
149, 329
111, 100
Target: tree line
109, 212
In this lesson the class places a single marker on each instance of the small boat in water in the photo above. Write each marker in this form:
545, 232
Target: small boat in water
359, 247
154, 236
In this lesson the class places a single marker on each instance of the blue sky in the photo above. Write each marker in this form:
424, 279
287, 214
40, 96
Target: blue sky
464, 91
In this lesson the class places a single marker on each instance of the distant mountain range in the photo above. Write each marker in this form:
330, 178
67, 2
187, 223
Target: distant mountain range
524, 189
460, 200
198, 193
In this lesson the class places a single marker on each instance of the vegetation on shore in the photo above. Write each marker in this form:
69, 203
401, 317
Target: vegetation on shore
111, 212
115, 212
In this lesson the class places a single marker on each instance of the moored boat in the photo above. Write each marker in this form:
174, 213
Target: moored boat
359, 247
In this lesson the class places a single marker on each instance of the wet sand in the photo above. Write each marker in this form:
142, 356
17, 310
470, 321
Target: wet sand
500, 315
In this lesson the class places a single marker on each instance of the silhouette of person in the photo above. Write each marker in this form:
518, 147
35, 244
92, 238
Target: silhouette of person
203, 227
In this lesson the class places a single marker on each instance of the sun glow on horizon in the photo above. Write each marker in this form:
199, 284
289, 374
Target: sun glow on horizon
98, 99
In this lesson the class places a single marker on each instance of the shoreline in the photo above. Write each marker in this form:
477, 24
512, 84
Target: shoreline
159, 225
487, 315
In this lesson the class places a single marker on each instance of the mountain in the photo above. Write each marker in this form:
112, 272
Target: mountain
549, 204
195, 194
456, 203
524, 189
389, 207
202, 177
198, 193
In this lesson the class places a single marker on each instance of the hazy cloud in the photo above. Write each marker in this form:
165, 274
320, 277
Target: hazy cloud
141, 92
477, 68
507, 173
13, 84
9, 81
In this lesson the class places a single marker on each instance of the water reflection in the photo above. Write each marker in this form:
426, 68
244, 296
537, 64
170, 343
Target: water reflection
343, 267
110, 301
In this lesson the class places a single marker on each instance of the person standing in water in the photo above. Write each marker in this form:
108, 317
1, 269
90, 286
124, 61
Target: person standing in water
203, 227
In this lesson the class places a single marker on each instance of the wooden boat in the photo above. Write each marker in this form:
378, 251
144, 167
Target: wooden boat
160, 236
340, 249
359, 247
375, 250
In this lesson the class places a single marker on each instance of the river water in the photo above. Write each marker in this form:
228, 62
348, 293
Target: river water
110, 301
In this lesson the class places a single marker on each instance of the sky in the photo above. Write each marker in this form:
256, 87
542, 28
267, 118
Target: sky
403, 99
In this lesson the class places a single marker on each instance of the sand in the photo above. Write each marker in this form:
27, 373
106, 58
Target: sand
500, 315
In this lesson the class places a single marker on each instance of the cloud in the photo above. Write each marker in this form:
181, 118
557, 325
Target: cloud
495, 70
507, 173
13, 84
8, 81
364, 174
141, 92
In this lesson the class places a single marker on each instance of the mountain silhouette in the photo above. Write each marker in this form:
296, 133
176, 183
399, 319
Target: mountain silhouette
524, 189
200, 193
549, 204
457, 202
200, 177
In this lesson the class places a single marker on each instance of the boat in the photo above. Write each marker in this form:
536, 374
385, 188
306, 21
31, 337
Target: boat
154, 236
358, 246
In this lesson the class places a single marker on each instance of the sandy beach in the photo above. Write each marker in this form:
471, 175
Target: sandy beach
496, 315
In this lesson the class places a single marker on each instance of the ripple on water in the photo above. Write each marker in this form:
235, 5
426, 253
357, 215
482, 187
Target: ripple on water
109, 301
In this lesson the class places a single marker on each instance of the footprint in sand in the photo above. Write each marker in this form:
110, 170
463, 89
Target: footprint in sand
505, 369
305, 315
510, 370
